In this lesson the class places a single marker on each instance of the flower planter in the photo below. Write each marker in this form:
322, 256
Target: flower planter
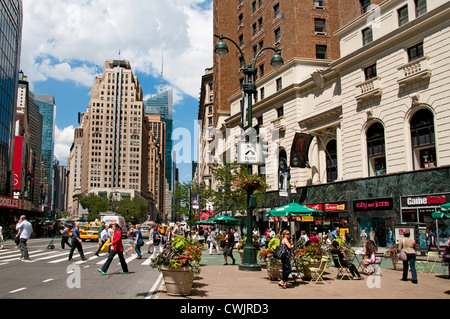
307, 274
398, 264
274, 270
178, 281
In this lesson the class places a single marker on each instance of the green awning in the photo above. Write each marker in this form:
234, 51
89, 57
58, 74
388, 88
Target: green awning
294, 210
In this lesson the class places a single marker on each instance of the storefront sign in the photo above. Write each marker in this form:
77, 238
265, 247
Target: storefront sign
7, 202
373, 204
425, 200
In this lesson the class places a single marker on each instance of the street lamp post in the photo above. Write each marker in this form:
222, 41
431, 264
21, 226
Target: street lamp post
249, 89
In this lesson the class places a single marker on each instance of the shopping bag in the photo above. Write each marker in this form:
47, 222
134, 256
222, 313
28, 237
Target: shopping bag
105, 248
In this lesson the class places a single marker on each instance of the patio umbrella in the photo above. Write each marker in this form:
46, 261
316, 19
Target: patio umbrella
204, 222
445, 208
294, 209
223, 220
443, 214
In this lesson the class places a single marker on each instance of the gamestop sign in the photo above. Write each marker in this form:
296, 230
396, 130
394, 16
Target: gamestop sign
425, 200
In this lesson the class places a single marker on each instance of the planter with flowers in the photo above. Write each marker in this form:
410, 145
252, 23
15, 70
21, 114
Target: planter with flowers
310, 257
273, 265
179, 262
393, 253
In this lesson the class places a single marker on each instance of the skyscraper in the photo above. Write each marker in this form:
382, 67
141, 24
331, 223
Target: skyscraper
47, 108
115, 135
11, 18
162, 104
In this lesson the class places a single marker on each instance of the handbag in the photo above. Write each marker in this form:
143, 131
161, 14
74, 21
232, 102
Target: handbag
105, 248
280, 251
402, 254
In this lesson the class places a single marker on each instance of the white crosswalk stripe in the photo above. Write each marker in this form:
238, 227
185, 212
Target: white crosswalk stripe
56, 256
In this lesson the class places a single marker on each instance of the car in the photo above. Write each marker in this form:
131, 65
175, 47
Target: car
90, 232
145, 230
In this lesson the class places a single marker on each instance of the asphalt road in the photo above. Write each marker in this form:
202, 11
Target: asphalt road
50, 275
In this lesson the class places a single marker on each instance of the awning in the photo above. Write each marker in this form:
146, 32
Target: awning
223, 220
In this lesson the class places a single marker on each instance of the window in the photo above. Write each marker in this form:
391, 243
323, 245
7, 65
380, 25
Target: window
241, 40
422, 138
261, 70
321, 51
241, 20
319, 25
421, 7
370, 72
280, 112
254, 29
403, 16
279, 84
318, 3
254, 6
277, 35
365, 6
367, 35
376, 150
260, 24
331, 160
415, 52
261, 93
276, 11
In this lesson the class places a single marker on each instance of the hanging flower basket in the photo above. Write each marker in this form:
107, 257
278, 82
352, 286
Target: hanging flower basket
250, 182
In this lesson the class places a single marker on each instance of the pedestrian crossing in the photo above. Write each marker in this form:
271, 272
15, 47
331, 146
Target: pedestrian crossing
39, 254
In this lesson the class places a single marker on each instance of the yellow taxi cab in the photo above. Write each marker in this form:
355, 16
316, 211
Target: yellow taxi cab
89, 233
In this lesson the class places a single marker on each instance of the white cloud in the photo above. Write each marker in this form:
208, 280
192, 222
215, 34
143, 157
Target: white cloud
63, 143
65, 39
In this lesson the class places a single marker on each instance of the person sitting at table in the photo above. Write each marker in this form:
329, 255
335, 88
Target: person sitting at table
370, 258
336, 251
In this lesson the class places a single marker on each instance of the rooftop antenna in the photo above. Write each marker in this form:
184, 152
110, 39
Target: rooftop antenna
161, 87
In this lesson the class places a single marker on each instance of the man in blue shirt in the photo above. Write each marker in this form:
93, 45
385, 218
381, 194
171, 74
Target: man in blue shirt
25, 233
76, 242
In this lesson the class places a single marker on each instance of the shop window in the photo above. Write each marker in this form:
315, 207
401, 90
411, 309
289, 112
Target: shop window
376, 150
423, 141
331, 154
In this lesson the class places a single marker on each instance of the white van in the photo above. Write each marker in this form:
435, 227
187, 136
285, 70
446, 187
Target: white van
116, 219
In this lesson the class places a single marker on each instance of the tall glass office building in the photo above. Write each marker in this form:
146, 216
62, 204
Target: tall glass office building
47, 108
162, 104
11, 19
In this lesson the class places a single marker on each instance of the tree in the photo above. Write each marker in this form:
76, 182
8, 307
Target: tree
135, 210
230, 194
183, 200
94, 204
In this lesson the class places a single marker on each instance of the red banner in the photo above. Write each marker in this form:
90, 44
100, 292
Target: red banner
17, 162
7, 202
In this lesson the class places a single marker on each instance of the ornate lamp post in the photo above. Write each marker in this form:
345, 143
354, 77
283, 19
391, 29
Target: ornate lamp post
249, 88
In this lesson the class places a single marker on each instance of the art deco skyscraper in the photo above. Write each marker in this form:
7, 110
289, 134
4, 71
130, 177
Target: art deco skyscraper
115, 135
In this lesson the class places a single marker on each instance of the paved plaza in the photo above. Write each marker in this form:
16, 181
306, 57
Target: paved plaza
217, 281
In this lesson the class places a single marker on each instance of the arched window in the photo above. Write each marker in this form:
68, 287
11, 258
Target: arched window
376, 150
422, 138
331, 154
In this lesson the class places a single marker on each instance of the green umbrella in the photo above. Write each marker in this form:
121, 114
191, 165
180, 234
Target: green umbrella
445, 208
293, 210
223, 220
204, 222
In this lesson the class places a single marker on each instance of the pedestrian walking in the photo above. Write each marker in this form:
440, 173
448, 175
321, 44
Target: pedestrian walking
139, 242
228, 249
76, 242
104, 236
117, 246
1, 238
100, 229
131, 239
213, 243
150, 240
285, 260
65, 237
409, 245
25, 229
157, 243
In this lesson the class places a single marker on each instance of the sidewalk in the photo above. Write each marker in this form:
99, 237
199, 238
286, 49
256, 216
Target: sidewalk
217, 281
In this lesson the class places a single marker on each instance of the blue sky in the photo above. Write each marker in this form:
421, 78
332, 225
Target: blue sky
64, 40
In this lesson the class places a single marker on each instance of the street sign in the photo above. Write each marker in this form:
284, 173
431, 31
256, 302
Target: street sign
249, 153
